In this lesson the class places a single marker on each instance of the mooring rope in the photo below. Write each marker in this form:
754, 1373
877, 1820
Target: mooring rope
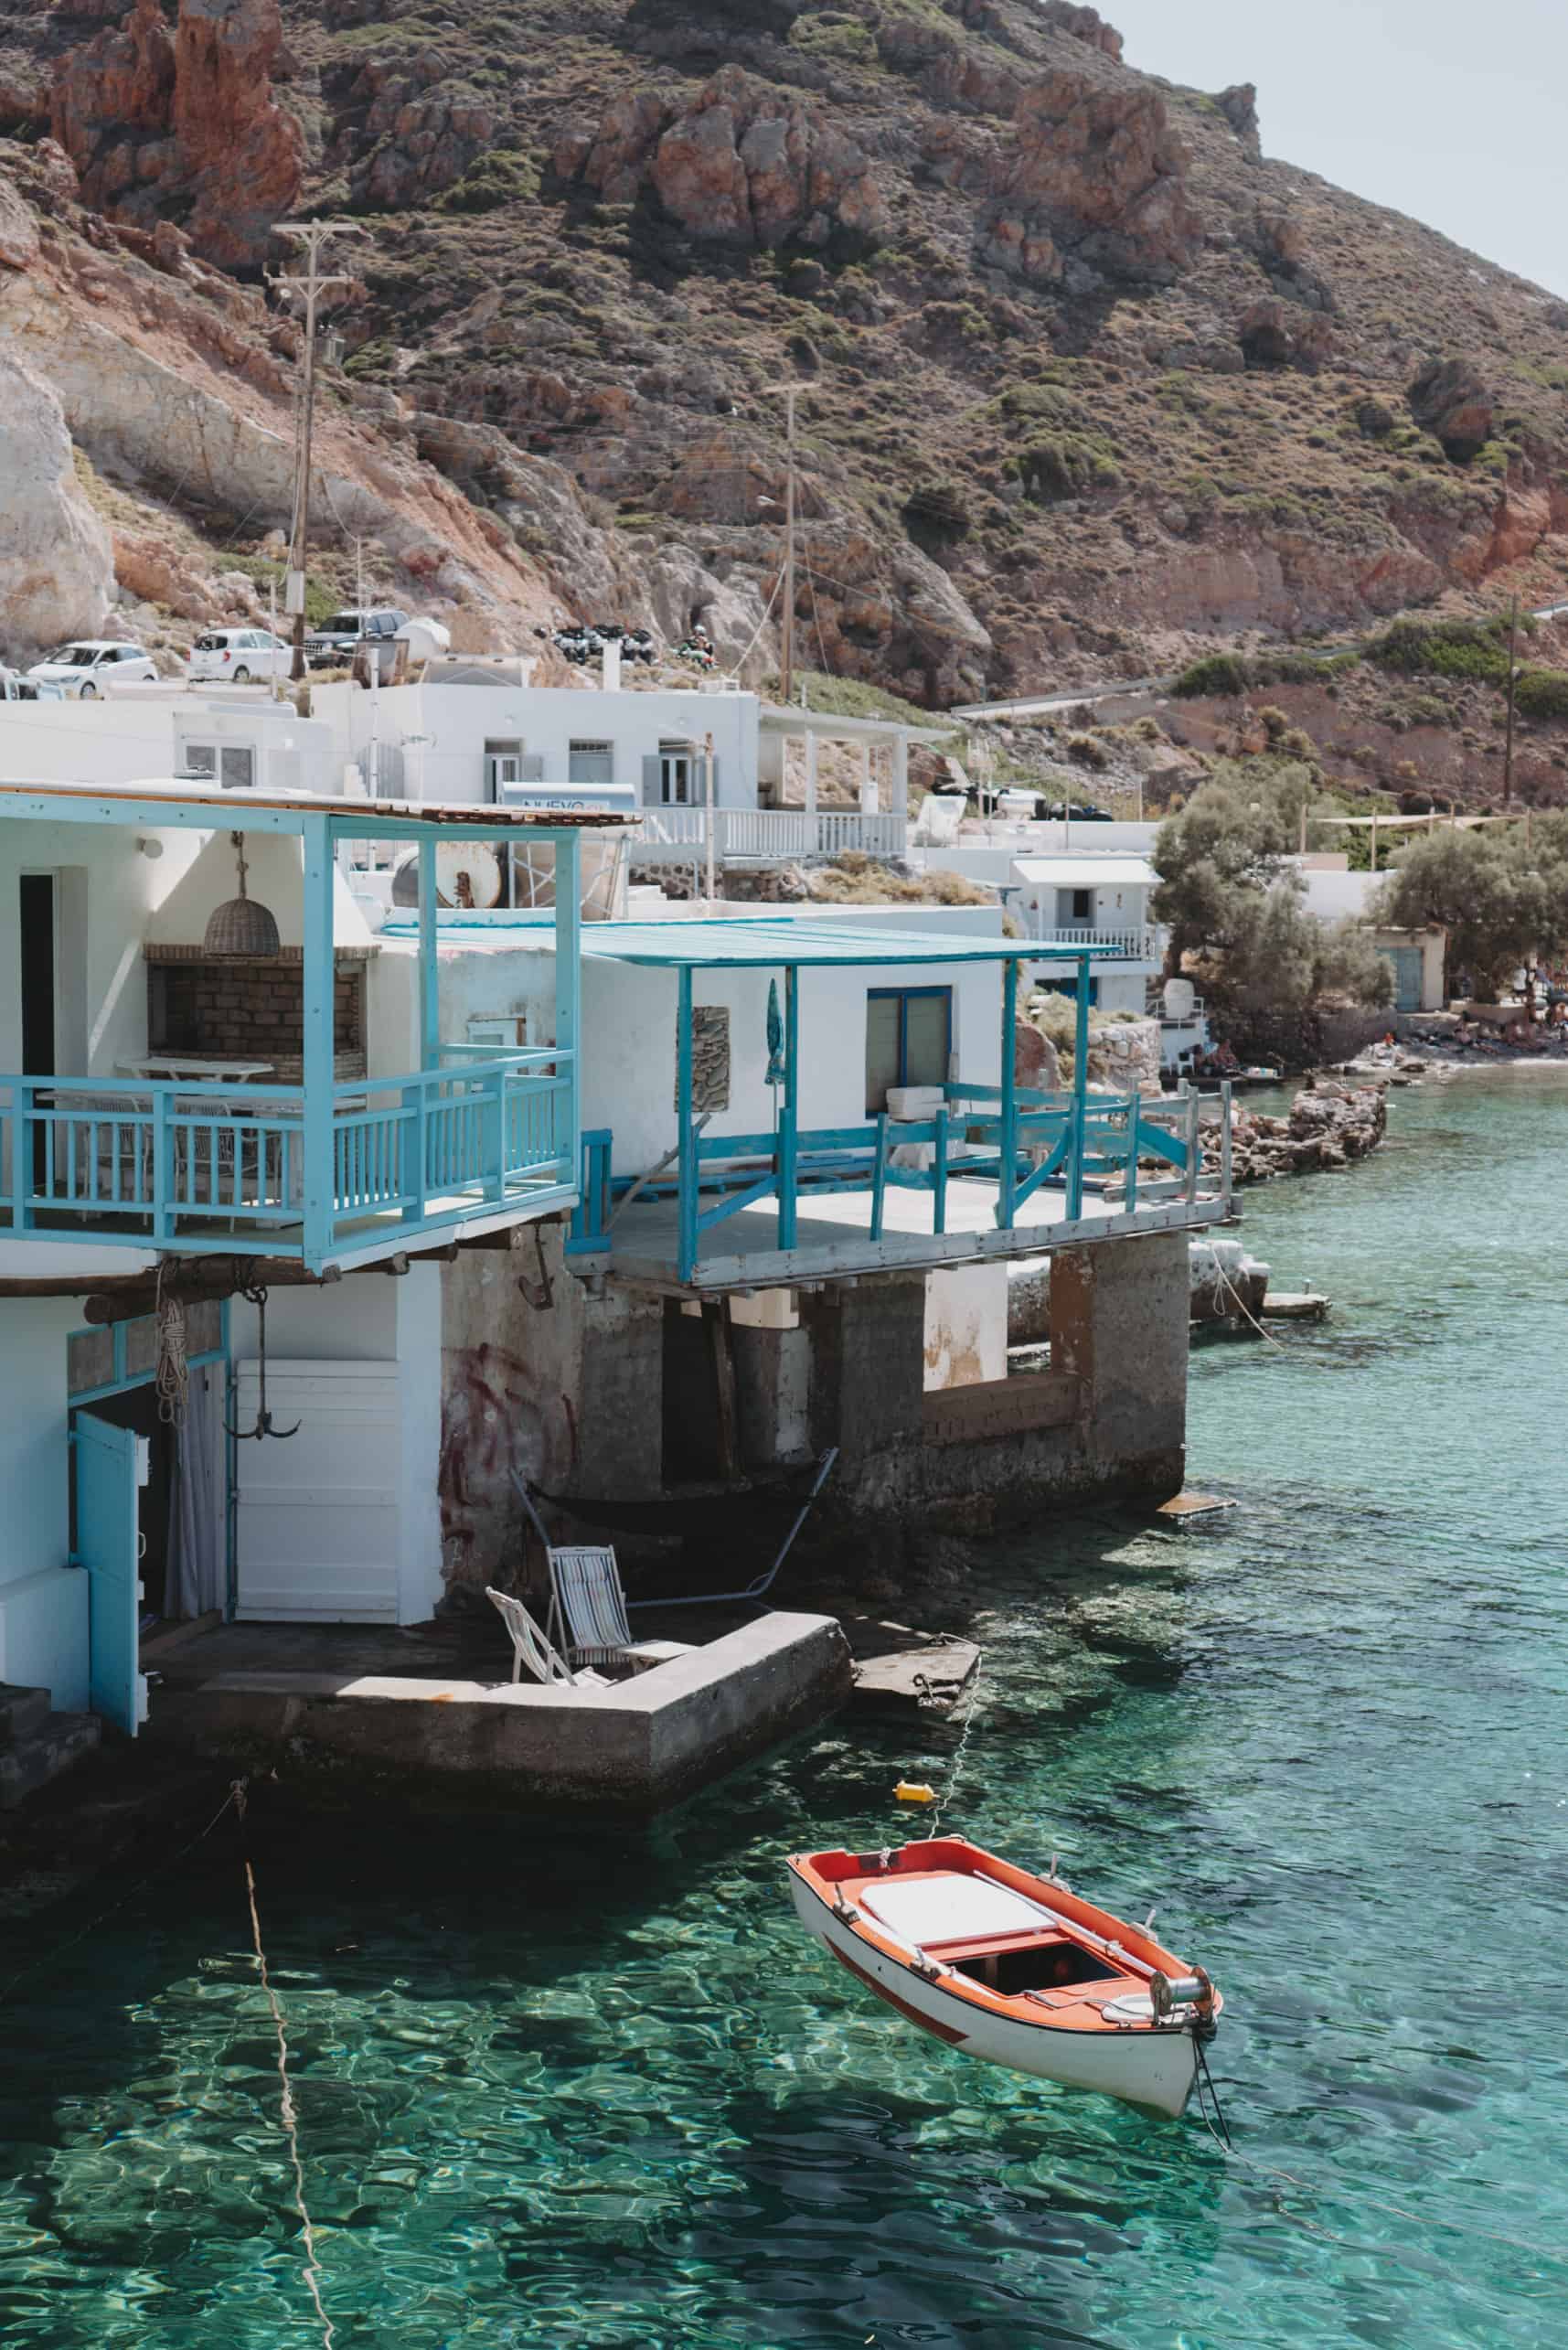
956, 1770
285, 2098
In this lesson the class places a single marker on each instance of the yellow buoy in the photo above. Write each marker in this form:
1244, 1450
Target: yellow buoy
907, 1792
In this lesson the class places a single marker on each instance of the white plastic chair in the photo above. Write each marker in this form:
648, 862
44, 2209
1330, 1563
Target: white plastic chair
530, 1647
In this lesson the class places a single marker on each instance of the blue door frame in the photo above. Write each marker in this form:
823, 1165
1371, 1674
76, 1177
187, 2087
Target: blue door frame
108, 1467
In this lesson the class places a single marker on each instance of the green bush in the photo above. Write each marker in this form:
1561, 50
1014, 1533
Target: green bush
1543, 693
1426, 710
1066, 464
1472, 649
844, 38
505, 176
1217, 673
1088, 751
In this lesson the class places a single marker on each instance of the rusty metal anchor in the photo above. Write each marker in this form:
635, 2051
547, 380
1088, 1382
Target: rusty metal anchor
263, 1427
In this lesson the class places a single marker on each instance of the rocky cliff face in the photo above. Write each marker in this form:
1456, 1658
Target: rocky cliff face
1088, 379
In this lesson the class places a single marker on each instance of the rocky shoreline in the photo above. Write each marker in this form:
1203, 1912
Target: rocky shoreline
1328, 1126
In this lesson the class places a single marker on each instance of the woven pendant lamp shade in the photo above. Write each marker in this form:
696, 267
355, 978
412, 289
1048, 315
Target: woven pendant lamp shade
241, 925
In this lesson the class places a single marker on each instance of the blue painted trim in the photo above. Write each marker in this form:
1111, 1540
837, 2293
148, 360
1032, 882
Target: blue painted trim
319, 1071
880, 1177
430, 969
126, 1381
1080, 1094
939, 1175
789, 1127
686, 1139
568, 976
903, 997
1009, 1135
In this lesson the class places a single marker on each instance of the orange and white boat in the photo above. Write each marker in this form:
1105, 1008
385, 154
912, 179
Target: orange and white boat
1016, 1969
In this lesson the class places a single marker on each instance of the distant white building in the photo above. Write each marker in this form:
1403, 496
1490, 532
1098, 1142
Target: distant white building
239, 736
1332, 894
1093, 900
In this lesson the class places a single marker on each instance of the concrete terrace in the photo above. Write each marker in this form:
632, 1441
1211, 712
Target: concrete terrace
436, 1702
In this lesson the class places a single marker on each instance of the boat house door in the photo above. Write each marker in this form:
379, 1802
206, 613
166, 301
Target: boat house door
318, 1523
110, 1468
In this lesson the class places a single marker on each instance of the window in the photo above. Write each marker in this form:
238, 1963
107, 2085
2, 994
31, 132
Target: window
590, 762
909, 1040
232, 764
503, 767
677, 768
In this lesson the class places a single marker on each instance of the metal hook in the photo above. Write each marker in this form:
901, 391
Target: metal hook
263, 1427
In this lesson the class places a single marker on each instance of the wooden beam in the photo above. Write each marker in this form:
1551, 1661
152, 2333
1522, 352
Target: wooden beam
715, 1317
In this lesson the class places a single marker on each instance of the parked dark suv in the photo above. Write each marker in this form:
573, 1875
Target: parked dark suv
334, 646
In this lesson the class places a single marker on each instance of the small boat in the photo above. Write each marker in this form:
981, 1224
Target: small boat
1016, 1969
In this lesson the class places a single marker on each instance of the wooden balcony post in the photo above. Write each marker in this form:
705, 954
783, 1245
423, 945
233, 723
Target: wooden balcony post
1008, 1172
567, 1131
1080, 1095
318, 1066
685, 1133
789, 1124
430, 975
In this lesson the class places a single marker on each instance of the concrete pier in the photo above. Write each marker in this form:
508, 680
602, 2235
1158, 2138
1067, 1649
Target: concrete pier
636, 1746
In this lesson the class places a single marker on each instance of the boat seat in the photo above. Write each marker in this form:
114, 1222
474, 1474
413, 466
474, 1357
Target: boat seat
949, 1907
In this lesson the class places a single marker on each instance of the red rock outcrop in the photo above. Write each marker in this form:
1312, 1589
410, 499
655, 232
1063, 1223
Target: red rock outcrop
1096, 170
150, 120
1084, 24
743, 164
421, 138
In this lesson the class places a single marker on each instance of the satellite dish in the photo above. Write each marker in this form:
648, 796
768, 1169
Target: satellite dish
467, 873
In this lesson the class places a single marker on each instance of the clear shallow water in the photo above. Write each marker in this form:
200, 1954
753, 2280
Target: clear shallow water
568, 2091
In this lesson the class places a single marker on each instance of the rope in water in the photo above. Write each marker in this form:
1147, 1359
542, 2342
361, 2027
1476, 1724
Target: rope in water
956, 1770
285, 2098
1212, 2116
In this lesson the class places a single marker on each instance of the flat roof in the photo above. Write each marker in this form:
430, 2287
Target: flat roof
785, 718
718, 946
229, 808
1086, 872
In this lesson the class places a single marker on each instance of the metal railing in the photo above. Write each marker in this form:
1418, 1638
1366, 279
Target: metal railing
769, 835
1139, 945
1146, 1150
203, 1168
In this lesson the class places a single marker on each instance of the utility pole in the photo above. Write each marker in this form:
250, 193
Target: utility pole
786, 639
309, 288
1512, 679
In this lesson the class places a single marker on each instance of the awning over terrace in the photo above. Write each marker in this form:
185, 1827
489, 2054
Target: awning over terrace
804, 944
1017, 1142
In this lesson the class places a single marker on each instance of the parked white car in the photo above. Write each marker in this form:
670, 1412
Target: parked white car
236, 657
88, 668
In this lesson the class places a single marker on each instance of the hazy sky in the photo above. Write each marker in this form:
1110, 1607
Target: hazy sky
1454, 113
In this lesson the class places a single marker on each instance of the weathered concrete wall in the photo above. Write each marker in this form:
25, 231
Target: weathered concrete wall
1119, 1324
568, 1394
637, 1746
868, 1363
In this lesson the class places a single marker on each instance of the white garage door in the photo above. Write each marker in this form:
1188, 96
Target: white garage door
318, 1523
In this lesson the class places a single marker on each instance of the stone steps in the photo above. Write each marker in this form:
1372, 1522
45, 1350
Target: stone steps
35, 1744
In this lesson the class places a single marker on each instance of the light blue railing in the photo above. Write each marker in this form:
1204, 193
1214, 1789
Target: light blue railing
198, 1165
1067, 1141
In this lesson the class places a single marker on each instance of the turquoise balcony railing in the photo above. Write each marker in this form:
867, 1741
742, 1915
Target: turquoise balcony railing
201, 1169
1146, 1151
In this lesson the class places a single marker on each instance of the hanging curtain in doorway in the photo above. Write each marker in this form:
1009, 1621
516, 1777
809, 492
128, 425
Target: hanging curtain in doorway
198, 1576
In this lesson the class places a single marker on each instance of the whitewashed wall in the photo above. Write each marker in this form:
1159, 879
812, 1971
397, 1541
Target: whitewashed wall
43, 1602
124, 739
547, 721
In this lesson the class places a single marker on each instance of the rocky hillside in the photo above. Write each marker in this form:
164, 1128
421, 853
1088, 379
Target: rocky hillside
1089, 381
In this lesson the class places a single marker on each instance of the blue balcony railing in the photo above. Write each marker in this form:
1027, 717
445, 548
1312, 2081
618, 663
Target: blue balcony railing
204, 1167
1072, 1142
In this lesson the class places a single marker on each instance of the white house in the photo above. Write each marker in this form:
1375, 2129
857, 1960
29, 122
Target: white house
240, 737
1097, 899
1333, 893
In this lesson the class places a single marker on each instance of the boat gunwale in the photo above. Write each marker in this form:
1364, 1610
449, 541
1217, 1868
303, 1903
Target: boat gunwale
1003, 2007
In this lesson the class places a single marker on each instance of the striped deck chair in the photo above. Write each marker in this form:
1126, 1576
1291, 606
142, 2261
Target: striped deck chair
530, 1647
588, 1613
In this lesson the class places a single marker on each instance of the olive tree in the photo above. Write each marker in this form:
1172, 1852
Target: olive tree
1232, 901
1500, 893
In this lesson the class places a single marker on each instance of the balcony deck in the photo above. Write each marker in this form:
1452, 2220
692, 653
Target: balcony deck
835, 1236
404, 1160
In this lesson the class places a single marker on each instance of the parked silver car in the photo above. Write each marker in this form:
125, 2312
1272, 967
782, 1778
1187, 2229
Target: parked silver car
236, 657
336, 645
86, 668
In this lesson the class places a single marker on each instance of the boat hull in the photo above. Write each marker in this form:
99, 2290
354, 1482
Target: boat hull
1152, 2068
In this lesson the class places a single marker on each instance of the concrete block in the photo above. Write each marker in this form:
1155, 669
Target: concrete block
636, 1746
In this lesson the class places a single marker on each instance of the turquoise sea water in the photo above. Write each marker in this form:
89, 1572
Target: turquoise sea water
567, 2091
